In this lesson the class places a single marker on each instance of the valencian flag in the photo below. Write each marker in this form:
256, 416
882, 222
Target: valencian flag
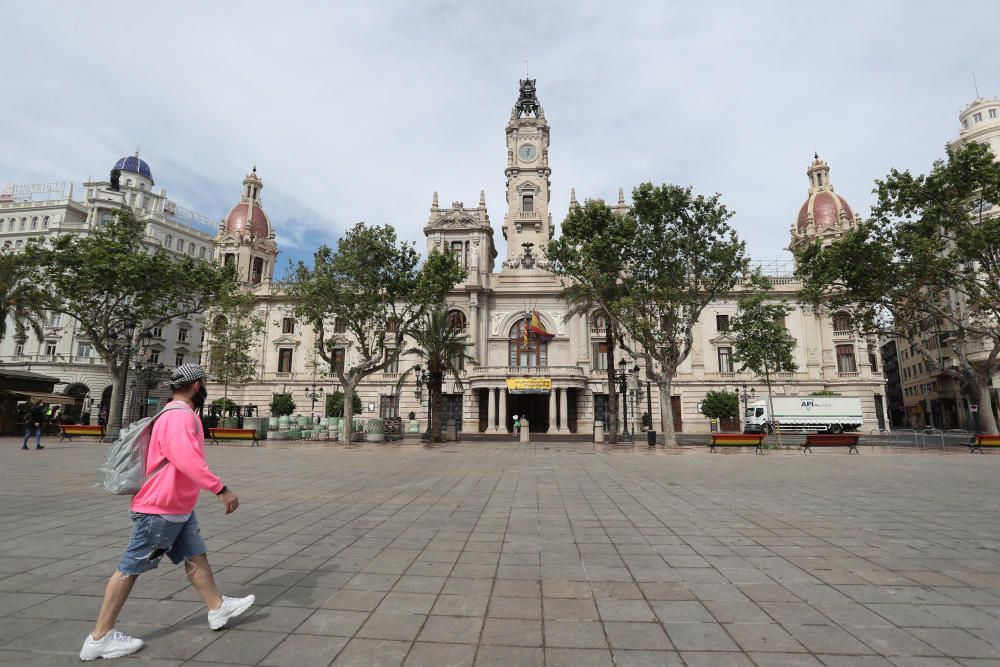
535, 328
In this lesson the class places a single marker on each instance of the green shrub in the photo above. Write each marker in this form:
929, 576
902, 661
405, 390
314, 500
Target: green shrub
282, 404
335, 404
720, 405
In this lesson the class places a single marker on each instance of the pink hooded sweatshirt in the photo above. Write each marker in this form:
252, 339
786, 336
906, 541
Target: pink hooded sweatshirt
178, 443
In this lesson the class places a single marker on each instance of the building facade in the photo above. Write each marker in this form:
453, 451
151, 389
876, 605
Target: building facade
63, 351
491, 306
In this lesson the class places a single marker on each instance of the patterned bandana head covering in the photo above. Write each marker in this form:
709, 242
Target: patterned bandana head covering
184, 375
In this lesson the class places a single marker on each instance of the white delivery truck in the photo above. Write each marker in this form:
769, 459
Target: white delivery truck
833, 414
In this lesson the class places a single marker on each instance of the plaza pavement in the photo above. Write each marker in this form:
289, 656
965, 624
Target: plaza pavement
506, 554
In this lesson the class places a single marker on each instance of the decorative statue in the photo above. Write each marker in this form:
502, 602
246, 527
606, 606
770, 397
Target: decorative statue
116, 175
527, 102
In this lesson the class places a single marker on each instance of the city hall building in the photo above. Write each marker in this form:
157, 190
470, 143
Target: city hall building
560, 385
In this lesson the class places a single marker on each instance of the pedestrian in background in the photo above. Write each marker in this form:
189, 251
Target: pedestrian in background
34, 418
517, 427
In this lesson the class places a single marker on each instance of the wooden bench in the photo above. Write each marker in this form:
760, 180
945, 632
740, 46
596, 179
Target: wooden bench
80, 430
983, 440
217, 434
849, 440
737, 440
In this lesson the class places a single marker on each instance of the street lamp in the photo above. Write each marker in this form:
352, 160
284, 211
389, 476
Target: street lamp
423, 379
148, 374
313, 393
621, 378
745, 396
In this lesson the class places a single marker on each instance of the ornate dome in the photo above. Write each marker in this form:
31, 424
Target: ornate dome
248, 215
823, 206
134, 164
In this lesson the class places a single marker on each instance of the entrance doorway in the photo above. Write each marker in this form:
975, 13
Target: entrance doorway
533, 406
675, 405
451, 410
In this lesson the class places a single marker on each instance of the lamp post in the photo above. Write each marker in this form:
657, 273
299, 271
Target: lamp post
621, 378
745, 396
148, 374
313, 393
423, 378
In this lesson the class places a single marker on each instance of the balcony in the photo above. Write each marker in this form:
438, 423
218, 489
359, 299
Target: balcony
527, 371
842, 333
529, 215
849, 374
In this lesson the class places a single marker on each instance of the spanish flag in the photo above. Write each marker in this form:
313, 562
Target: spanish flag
537, 329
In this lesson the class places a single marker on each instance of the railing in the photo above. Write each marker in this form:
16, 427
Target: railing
842, 333
52, 359
598, 331
529, 371
529, 215
849, 374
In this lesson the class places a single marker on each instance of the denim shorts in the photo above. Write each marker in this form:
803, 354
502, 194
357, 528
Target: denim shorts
153, 536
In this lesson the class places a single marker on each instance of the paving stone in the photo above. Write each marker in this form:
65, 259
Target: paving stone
699, 637
649, 636
333, 622
372, 653
574, 634
305, 650
625, 658
509, 656
512, 632
440, 655
241, 646
454, 629
392, 626
577, 657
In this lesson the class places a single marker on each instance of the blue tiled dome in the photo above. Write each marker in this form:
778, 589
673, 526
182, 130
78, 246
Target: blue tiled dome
134, 164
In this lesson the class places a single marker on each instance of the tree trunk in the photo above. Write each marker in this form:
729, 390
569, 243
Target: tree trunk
663, 382
612, 425
348, 411
770, 405
435, 399
985, 418
115, 410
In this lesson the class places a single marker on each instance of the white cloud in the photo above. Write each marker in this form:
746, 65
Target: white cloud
360, 111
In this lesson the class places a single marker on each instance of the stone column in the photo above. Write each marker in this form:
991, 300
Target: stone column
474, 334
491, 411
552, 410
564, 410
502, 413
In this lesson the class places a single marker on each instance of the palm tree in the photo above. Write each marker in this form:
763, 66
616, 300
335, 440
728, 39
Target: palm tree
440, 348
20, 300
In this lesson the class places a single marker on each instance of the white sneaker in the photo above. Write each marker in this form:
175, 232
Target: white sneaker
231, 608
112, 645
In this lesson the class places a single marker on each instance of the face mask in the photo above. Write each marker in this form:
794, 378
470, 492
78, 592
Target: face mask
199, 398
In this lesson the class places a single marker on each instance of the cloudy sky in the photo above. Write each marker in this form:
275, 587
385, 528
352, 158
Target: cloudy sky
359, 111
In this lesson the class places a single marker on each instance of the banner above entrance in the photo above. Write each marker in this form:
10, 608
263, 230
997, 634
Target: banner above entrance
534, 385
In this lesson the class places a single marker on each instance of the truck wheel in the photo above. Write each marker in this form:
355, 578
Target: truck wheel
836, 428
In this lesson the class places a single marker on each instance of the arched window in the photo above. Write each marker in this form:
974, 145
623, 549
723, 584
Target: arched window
532, 353
599, 320
456, 319
841, 322
45, 222
34, 222
24, 223
169, 242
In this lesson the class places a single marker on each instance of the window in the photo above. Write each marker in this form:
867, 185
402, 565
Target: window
50, 349
24, 222
257, 272
157, 332
841, 322
105, 219
978, 117
285, 360
182, 335
598, 321
993, 113
722, 322
340, 326
154, 357
457, 361
190, 248
532, 353
458, 250
45, 222
169, 242
201, 252
338, 359
600, 355
179, 360
845, 359
54, 319
83, 350
19, 350
287, 325
131, 198
965, 124
19, 243
388, 406
393, 365
528, 203
230, 259
34, 222
10, 225
725, 360
391, 325
456, 320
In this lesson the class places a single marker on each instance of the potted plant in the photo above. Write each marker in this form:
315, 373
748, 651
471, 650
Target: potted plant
413, 426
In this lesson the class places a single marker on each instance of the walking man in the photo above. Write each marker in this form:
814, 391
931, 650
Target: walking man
163, 520
517, 427
33, 421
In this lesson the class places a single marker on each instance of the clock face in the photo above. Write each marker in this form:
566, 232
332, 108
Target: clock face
527, 152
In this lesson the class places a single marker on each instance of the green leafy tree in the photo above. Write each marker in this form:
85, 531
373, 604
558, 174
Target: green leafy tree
21, 302
374, 288
232, 333
441, 350
683, 255
112, 278
335, 404
282, 404
763, 345
591, 256
720, 405
925, 268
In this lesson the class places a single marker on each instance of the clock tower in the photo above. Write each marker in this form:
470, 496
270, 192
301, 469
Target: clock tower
528, 224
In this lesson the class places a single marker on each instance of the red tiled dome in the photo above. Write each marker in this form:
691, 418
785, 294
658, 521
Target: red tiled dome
236, 221
825, 207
